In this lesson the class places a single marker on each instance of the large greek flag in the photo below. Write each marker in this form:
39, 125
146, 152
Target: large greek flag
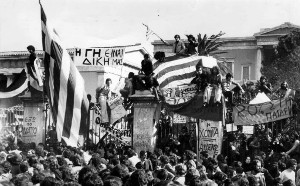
65, 88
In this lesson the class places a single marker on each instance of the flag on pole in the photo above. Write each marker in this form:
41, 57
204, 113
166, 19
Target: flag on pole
150, 32
64, 87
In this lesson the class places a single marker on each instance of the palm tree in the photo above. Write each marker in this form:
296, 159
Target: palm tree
210, 46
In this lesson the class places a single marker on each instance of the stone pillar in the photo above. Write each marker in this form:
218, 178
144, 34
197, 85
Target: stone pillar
146, 109
33, 129
258, 63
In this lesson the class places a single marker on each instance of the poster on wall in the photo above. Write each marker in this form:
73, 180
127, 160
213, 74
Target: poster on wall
143, 128
106, 56
33, 129
210, 137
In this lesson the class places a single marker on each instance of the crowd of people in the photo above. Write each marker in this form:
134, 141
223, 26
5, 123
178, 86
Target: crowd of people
248, 164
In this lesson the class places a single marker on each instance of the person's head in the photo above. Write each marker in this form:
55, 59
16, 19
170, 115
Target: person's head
31, 49
284, 85
108, 82
177, 37
199, 68
164, 159
146, 56
229, 77
92, 179
263, 79
256, 165
191, 174
215, 70
248, 160
89, 97
139, 178
191, 38
112, 181
180, 169
143, 155
240, 181
130, 75
162, 174
50, 181
37, 178
291, 164
191, 164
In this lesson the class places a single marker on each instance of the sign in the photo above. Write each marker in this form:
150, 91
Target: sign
99, 56
143, 127
177, 118
180, 94
231, 127
251, 114
33, 129
248, 129
100, 129
210, 137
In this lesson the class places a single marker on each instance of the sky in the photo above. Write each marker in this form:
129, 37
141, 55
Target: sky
96, 23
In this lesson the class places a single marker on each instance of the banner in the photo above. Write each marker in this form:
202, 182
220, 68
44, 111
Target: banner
194, 108
99, 56
210, 137
251, 114
179, 94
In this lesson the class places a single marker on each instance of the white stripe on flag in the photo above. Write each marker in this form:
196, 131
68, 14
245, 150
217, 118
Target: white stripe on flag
177, 83
64, 75
79, 88
176, 62
176, 73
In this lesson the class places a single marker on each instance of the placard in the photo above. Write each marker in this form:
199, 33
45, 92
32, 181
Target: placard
248, 129
33, 129
112, 56
210, 137
251, 114
231, 127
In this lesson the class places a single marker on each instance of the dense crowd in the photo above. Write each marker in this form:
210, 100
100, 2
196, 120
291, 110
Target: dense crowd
111, 165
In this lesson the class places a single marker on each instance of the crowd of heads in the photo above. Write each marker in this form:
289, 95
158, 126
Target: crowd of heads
111, 165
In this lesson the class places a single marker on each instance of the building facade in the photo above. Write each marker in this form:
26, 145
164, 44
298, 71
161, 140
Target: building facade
245, 55
13, 62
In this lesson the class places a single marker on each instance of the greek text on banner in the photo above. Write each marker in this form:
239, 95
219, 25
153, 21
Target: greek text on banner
99, 56
251, 114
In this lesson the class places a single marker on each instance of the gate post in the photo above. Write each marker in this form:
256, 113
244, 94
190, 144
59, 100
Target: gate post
145, 116
33, 129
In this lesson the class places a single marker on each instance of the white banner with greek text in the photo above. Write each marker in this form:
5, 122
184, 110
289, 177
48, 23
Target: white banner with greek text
251, 114
99, 56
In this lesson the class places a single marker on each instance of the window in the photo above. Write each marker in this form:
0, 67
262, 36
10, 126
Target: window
245, 72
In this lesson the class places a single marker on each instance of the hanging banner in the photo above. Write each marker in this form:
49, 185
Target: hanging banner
210, 137
180, 94
99, 56
251, 114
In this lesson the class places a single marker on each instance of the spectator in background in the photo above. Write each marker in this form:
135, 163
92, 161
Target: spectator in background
178, 46
264, 86
289, 172
191, 47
